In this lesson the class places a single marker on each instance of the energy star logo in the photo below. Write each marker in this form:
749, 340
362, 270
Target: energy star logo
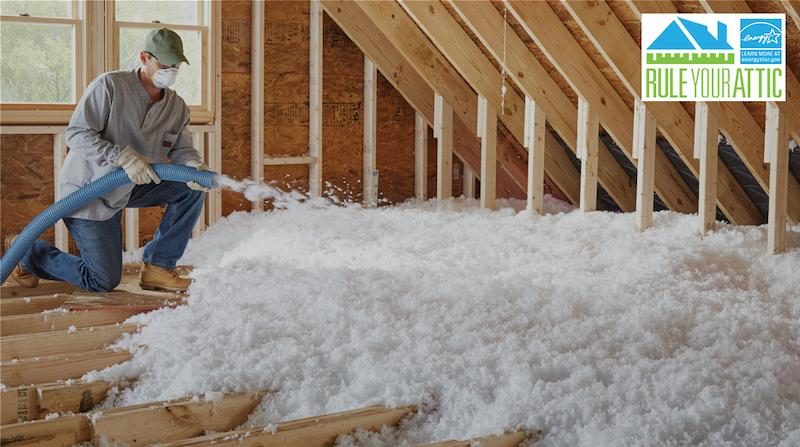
713, 57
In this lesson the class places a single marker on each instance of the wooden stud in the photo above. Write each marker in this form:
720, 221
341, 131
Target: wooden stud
317, 431
468, 186
215, 137
534, 142
644, 150
315, 98
370, 172
58, 367
174, 420
131, 229
199, 142
420, 157
53, 321
45, 287
487, 132
63, 341
257, 98
443, 132
706, 144
588, 130
59, 152
776, 153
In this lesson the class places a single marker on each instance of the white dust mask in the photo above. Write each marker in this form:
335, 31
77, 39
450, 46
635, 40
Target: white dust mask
165, 77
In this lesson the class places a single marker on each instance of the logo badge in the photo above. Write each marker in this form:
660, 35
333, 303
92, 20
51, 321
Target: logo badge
713, 57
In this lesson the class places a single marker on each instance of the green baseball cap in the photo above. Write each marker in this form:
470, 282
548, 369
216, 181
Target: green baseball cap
166, 45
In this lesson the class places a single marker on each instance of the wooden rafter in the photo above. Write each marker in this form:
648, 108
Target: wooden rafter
534, 80
792, 8
563, 50
409, 82
433, 64
622, 53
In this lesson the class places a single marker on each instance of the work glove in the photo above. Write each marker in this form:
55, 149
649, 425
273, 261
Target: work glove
136, 166
200, 166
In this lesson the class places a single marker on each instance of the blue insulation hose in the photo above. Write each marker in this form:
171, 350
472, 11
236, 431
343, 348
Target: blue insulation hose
82, 197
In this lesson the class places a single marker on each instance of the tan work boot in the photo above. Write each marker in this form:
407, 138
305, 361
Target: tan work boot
154, 277
19, 274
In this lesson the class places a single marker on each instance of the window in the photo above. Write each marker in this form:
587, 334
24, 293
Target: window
133, 19
41, 44
51, 49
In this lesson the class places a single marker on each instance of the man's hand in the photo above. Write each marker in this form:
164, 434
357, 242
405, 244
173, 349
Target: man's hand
200, 166
136, 167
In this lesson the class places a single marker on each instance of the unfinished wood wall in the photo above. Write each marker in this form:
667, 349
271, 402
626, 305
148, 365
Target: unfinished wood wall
26, 173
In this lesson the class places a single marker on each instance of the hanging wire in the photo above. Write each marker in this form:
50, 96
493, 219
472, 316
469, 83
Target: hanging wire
504, 71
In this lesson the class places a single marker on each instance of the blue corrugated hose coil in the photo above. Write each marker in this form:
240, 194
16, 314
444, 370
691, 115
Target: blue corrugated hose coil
82, 197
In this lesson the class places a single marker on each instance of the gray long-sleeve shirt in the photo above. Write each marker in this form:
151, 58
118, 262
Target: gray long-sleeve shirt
114, 112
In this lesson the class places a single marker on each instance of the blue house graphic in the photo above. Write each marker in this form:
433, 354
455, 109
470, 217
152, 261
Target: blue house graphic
673, 38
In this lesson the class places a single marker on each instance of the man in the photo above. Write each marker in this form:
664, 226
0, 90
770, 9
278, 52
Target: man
126, 119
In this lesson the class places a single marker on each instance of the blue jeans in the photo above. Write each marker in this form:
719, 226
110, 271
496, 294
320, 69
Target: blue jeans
99, 266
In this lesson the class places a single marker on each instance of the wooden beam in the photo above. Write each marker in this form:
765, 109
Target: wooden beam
45, 287
64, 431
487, 132
31, 402
443, 132
737, 124
776, 153
77, 396
706, 144
58, 367
510, 439
534, 139
535, 81
315, 431
257, 98
420, 157
644, 150
370, 138
588, 130
416, 89
566, 54
54, 321
173, 420
284, 161
65, 341
621, 52
427, 58
199, 143
315, 98
18, 404
31, 305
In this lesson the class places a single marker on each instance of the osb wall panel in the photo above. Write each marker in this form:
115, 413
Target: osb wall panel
236, 80
26, 176
342, 120
395, 144
286, 84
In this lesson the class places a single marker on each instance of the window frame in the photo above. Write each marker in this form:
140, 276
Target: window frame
97, 51
26, 112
